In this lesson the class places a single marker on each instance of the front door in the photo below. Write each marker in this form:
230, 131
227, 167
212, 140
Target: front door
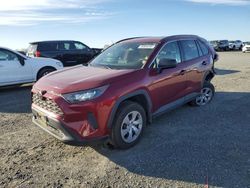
11, 70
170, 84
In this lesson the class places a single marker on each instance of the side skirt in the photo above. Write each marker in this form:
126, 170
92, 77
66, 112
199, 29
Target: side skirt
173, 105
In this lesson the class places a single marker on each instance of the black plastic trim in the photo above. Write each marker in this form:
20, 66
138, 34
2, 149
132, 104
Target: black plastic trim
67, 136
92, 120
127, 96
173, 105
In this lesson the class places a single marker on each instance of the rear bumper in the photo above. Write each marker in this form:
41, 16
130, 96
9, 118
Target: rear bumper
59, 130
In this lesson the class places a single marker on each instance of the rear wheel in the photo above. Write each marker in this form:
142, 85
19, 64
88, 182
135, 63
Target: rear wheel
206, 95
44, 72
128, 125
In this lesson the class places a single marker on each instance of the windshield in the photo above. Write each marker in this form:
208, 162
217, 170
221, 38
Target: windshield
131, 55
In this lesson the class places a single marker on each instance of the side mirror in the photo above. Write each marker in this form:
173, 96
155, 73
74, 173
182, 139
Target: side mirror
216, 57
21, 60
165, 63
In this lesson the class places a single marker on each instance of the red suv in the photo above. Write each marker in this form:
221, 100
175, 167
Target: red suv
123, 88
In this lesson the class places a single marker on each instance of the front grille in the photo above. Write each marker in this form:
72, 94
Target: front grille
46, 104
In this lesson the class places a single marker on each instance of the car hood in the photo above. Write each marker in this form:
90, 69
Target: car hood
79, 78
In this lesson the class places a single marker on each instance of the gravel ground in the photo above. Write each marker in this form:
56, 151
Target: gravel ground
188, 147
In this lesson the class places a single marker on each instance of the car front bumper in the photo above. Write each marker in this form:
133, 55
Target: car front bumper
60, 130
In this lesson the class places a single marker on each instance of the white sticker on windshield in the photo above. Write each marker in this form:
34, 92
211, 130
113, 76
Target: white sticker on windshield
147, 46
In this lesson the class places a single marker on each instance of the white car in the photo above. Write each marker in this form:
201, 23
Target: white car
246, 47
16, 68
235, 45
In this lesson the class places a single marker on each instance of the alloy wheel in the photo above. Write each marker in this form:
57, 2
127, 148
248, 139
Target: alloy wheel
205, 96
131, 126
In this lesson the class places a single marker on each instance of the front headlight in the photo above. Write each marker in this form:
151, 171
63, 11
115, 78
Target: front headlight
86, 95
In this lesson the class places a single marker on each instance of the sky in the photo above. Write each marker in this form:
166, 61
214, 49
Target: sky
100, 22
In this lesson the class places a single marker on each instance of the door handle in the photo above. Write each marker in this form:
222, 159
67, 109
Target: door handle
204, 63
182, 72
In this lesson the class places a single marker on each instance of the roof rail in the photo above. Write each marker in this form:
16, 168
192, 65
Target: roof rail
128, 39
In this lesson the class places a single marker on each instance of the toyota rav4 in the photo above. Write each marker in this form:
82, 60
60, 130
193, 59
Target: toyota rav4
123, 88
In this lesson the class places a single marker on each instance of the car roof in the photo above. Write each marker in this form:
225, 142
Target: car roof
50, 41
158, 39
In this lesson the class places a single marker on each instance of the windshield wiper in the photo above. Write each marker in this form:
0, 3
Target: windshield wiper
103, 66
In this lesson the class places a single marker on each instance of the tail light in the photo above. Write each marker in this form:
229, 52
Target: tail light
37, 54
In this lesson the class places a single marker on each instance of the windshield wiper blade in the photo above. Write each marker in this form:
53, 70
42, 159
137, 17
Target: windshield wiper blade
106, 66
99, 65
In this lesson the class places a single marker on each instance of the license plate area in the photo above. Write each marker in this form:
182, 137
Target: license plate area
44, 122
41, 118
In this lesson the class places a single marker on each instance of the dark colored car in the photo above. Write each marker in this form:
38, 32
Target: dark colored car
97, 50
220, 45
123, 88
70, 53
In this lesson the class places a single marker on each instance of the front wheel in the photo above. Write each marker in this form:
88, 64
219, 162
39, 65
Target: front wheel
206, 95
128, 125
44, 72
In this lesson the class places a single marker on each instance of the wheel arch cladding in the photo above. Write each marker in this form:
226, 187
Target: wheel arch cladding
208, 77
140, 96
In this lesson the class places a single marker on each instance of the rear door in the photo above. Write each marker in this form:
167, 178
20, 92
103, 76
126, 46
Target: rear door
196, 62
11, 70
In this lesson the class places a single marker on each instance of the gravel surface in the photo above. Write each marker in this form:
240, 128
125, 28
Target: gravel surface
188, 147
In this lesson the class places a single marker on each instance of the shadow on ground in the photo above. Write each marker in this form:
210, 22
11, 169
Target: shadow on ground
15, 99
188, 144
225, 72
195, 144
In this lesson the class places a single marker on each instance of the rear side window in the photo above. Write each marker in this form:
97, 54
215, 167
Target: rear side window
66, 46
190, 49
50, 46
203, 48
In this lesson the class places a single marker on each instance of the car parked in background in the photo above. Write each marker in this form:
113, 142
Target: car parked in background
223, 45
123, 88
235, 45
246, 47
16, 68
214, 44
97, 50
220, 45
70, 53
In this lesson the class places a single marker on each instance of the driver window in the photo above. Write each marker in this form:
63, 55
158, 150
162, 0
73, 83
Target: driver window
7, 56
169, 51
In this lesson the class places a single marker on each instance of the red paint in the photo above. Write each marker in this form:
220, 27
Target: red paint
169, 84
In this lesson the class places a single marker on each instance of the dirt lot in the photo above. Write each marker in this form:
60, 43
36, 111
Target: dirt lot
187, 147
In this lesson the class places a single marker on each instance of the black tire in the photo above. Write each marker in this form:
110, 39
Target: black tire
207, 98
124, 111
44, 72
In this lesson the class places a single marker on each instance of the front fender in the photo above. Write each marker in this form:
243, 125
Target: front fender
127, 96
